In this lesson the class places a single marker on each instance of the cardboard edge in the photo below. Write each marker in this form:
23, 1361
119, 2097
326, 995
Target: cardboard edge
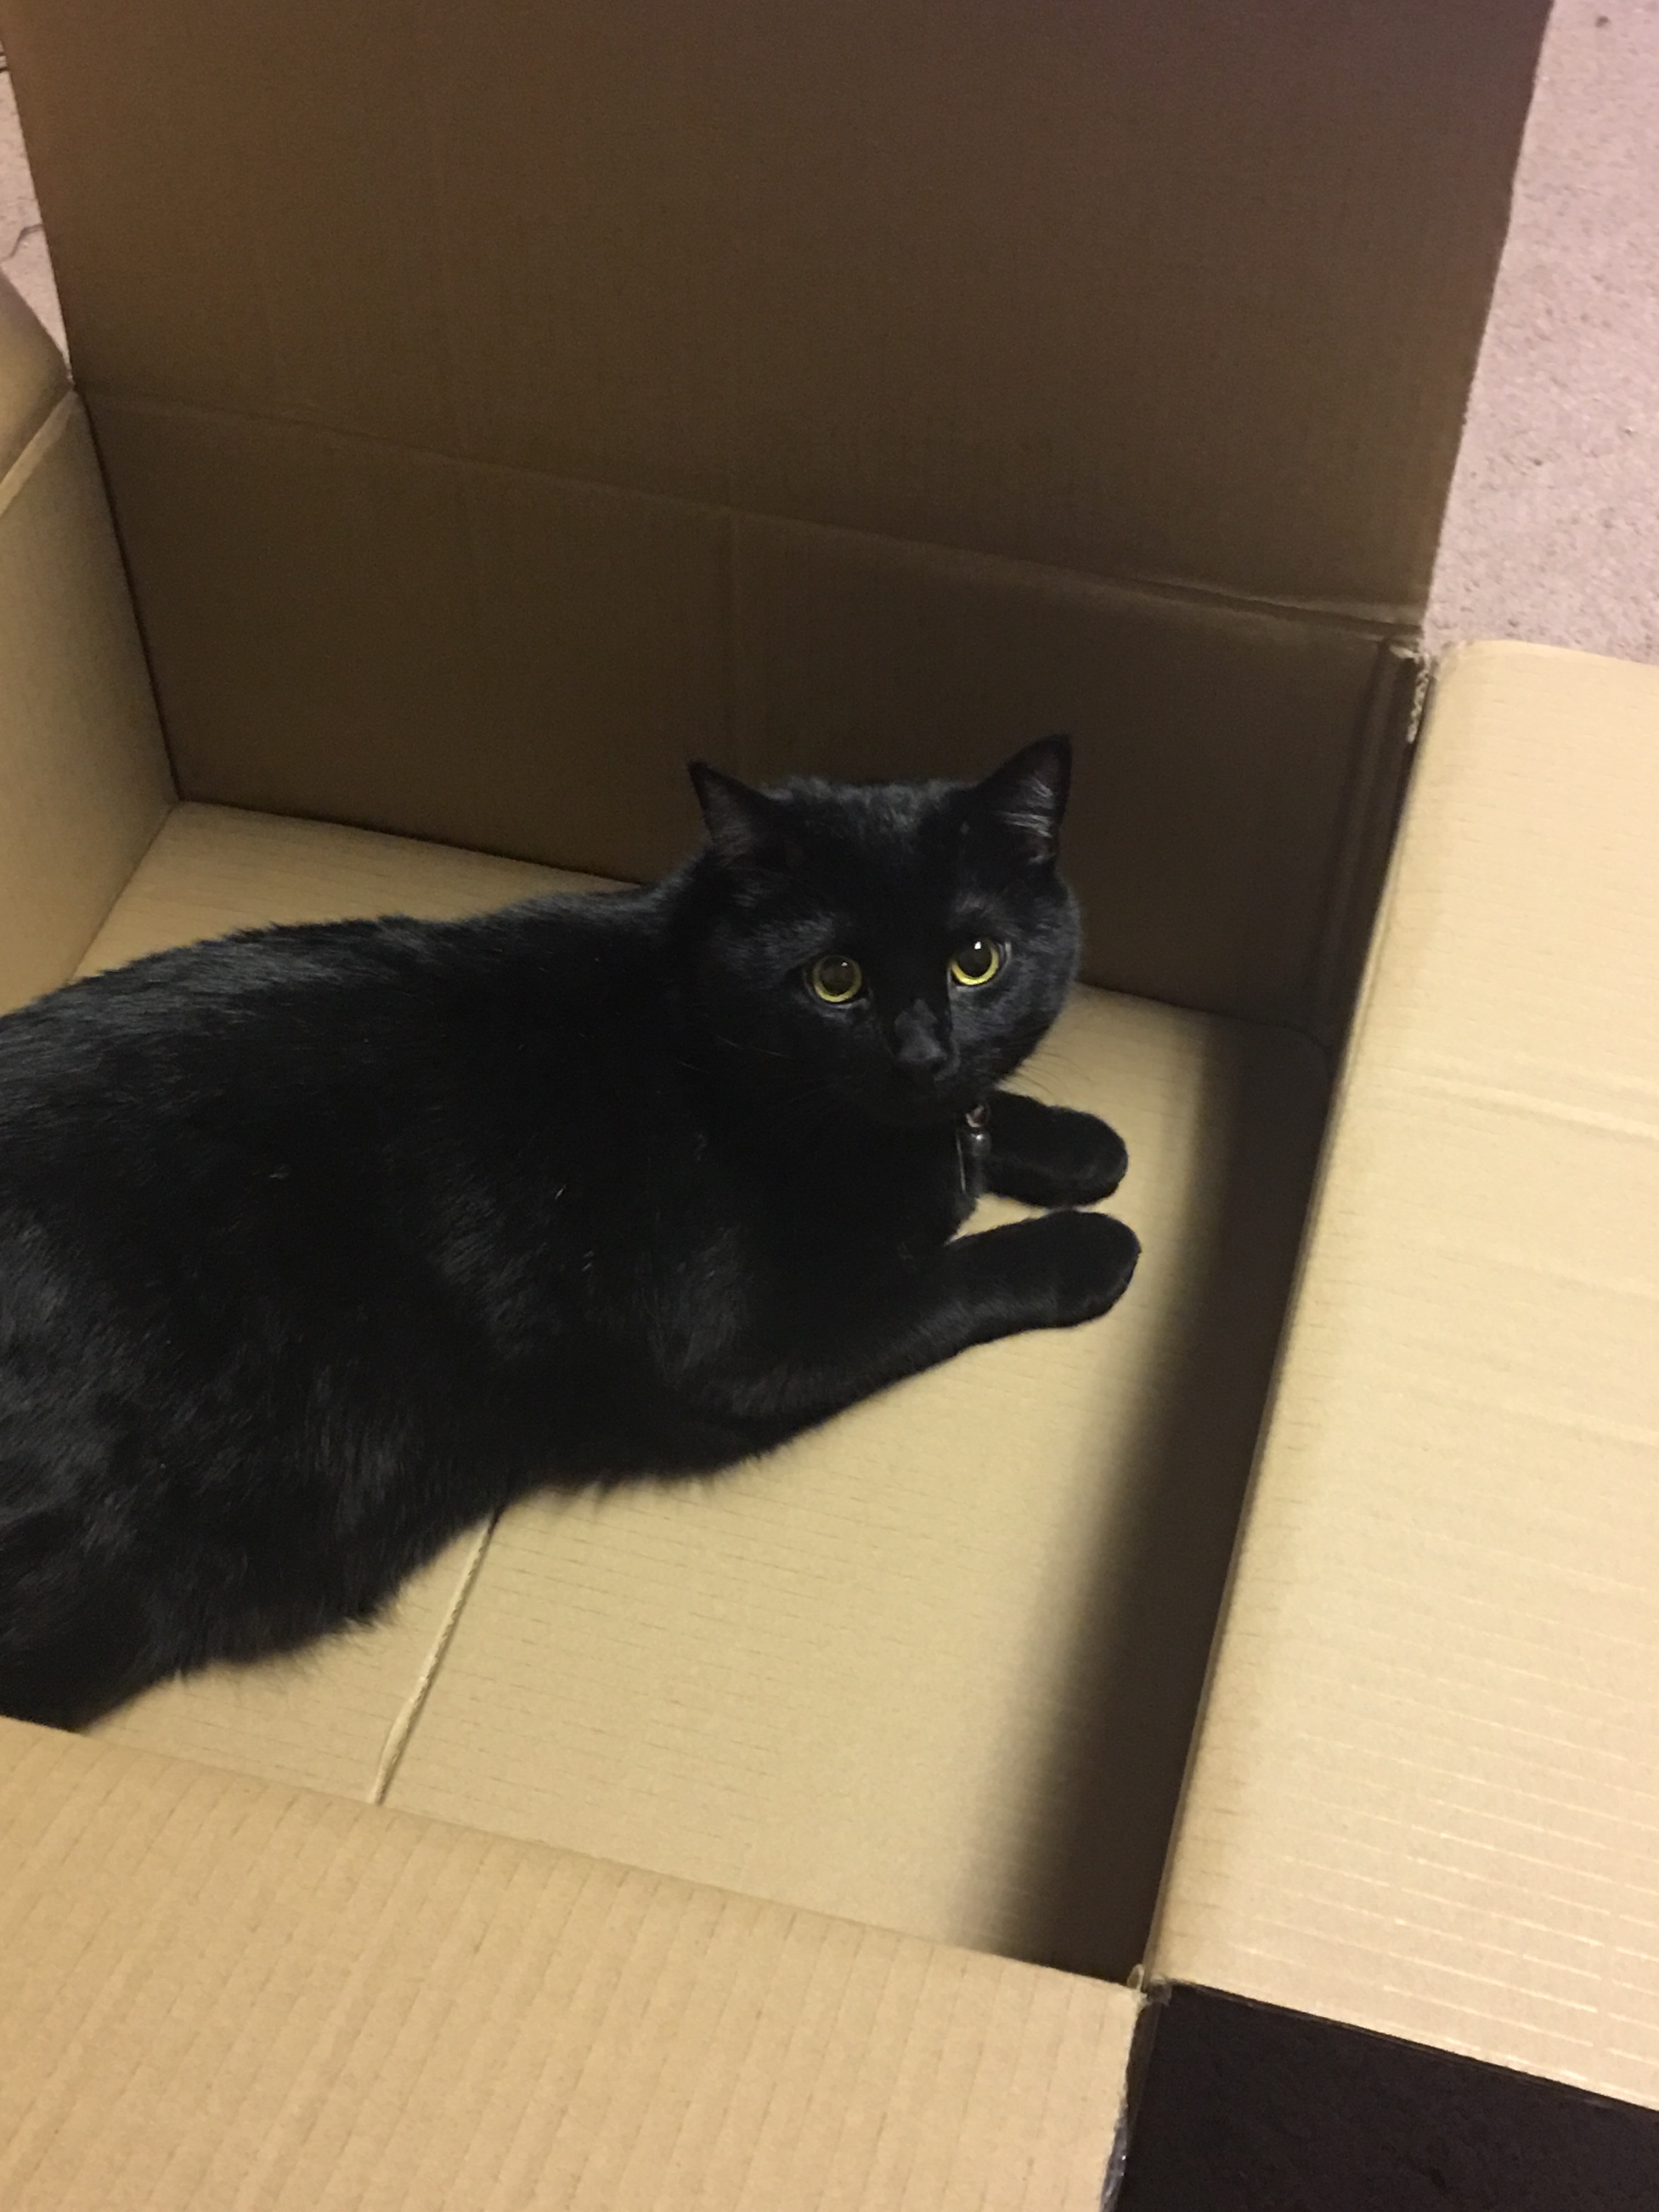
403, 1722
33, 377
1384, 752
92, 786
1151, 1995
35, 449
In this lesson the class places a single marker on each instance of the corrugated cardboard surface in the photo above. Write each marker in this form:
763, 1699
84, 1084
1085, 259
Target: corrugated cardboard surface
341, 627
1176, 292
1426, 1793
84, 779
333, 1717
461, 648
214, 1992
935, 1667
33, 377
212, 869
470, 379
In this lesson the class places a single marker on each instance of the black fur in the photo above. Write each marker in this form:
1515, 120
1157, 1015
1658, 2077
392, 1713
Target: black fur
319, 1244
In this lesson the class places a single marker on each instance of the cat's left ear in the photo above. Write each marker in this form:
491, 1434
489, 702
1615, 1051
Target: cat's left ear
1026, 796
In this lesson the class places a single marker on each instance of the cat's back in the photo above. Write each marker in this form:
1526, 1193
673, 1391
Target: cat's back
336, 1043
326, 1139
343, 995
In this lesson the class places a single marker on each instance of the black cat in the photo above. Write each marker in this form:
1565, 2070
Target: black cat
319, 1244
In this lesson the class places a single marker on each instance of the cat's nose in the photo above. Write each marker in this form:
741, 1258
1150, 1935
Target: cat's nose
919, 1050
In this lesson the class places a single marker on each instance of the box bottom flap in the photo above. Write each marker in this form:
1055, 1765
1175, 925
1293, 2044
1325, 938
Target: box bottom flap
215, 1991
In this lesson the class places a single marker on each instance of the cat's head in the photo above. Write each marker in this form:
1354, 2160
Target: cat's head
897, 948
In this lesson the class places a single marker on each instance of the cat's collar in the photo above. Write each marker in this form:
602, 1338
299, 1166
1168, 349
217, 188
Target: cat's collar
973, 1142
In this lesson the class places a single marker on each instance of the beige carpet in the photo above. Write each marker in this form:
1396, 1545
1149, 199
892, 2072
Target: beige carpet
23, 254
1552, 532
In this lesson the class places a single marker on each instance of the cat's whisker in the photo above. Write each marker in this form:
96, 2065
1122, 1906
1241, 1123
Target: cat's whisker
746, 1044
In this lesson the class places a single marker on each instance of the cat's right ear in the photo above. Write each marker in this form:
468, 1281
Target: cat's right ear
745, 828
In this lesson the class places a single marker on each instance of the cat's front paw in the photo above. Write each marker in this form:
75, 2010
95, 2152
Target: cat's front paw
1092, 1258
1053, 1155
1051, 1273
1090, 1159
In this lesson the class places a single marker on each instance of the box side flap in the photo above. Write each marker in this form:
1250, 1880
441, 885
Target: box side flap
514, 662
1423, 1798
1165, 290
33, 377
216, 1990
472, 396
84, 782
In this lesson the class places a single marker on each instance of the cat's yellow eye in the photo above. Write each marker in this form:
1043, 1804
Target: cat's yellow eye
975, 962
835, 979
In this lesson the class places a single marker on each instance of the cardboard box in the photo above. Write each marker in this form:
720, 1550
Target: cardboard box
496, 407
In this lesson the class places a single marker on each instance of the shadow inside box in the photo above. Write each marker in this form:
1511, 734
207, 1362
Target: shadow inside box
1089, 1885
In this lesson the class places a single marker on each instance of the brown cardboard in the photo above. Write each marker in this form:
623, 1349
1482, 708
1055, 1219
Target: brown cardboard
212, 869
423, 644
451, 384
1422, 1800
935, 1667
499, 404
82, 769
216, 1992
33, 378
344, 683
1173, 294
